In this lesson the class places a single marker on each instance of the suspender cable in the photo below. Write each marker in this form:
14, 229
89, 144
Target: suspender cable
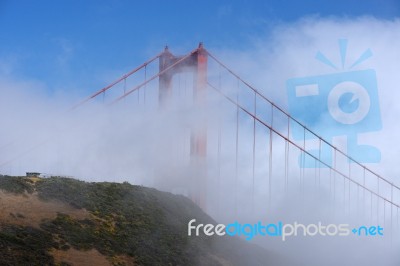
237, 150
371, 207
384, 214
358, 201
115, 82
138, 95
377, 205
312, 156
219, 163
124, 87
303, 150
363, 191
334, 175
319, 163
103, 90
331, 180
303, 158
219, 142
286, 166
154, 76
287, 157
145, 85
349, 185
254, 149
270, 159
391, 212
315, 176
344, 195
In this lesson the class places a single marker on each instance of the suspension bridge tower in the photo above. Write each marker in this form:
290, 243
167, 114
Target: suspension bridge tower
197, 64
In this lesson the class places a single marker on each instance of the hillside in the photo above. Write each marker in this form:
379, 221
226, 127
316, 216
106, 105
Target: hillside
63, 221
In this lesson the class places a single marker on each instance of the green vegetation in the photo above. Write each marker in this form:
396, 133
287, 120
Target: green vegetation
16, 184
127, 219
148, 225
25, 246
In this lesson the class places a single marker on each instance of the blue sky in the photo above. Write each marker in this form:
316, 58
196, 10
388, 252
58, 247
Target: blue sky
67, 43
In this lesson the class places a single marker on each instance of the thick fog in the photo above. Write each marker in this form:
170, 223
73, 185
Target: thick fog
243, 177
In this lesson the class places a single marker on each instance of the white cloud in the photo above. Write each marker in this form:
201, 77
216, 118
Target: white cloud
289, 52
132, 143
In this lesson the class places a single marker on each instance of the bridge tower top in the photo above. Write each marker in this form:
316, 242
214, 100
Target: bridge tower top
197, 64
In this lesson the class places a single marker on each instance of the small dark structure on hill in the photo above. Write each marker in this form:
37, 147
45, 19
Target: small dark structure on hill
32, 174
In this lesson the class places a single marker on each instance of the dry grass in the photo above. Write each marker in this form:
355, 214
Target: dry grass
29, 210
77, 257
89, 258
